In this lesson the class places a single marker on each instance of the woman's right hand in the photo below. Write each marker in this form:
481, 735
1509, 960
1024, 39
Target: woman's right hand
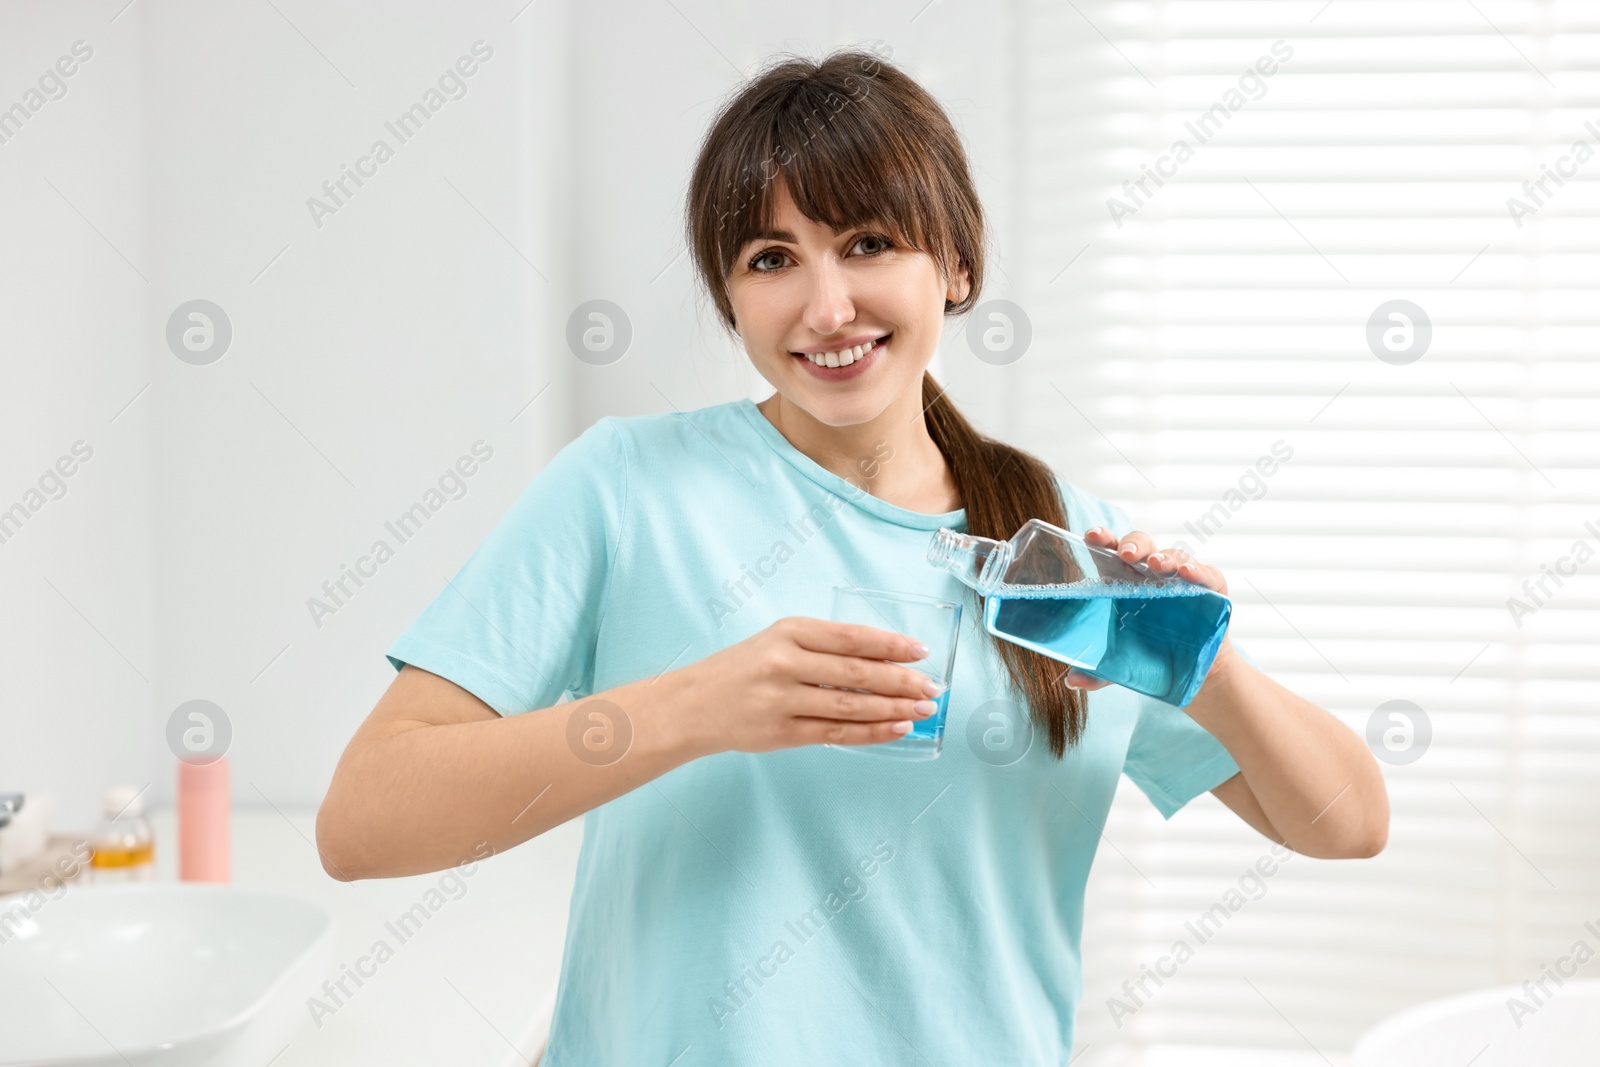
435, 772
766, 692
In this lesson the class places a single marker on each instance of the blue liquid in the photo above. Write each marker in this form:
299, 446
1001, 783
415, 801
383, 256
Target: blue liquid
927, 729
1158, 640
915, 743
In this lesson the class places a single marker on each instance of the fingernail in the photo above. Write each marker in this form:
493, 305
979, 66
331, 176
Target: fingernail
901, 727
930, 687
1156, 557
924, 708
920, 649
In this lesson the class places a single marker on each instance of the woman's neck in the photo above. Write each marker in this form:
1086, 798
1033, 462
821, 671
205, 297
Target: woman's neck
891, 456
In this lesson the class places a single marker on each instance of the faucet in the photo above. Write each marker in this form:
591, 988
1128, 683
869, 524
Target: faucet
10, 804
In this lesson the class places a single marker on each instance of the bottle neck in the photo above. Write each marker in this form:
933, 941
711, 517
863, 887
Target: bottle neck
965, 556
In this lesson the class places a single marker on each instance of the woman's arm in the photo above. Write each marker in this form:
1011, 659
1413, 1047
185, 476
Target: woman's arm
1305, 779
434, 774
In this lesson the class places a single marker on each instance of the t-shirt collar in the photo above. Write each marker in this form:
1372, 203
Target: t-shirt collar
916, 520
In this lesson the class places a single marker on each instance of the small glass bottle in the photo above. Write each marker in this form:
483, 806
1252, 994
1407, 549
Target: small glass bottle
123, 845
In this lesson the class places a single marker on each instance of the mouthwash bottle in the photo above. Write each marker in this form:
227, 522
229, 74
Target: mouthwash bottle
1050, 591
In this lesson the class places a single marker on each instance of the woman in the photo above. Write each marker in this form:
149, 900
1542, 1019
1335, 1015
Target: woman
746, 894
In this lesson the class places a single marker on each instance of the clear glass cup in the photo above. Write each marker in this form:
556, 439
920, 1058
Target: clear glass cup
934, 622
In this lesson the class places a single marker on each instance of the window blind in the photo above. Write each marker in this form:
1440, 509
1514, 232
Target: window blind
1223, 355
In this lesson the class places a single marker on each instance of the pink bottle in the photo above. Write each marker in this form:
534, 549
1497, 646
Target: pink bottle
203, 820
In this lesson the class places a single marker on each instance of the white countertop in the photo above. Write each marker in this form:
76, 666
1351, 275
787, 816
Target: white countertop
473, 986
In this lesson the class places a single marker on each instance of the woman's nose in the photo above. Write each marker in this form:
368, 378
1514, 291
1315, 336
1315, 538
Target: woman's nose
828, 303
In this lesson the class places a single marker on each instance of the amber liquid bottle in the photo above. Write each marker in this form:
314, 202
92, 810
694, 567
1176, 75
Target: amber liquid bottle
123, 845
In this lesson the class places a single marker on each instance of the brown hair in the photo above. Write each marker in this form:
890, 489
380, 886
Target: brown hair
854, 141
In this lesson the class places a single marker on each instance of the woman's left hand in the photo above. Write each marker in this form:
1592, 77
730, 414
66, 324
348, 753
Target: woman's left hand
1137, 547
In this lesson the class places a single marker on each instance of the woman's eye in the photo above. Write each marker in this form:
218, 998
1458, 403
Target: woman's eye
883, 242
769, 254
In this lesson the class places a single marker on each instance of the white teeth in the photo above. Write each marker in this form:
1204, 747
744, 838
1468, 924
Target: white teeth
842, 358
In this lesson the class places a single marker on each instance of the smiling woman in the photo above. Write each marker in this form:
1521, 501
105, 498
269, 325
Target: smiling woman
837, 269
836, 251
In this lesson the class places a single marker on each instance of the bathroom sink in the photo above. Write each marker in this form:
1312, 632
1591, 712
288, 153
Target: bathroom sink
173, 974
1548, 1025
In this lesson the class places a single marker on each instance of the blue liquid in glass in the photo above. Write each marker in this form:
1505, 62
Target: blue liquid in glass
1154, 639
927, 729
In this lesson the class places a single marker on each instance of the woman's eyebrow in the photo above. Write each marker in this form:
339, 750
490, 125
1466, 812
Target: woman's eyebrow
785, 235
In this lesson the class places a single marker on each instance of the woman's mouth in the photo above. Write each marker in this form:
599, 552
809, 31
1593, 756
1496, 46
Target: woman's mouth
846, 363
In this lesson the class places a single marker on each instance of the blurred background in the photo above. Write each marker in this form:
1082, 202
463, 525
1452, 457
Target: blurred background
1307, 287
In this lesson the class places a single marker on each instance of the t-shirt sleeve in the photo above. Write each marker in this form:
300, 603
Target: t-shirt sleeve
518, 624
1171, 758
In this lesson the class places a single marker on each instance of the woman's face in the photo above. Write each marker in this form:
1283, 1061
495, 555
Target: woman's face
803, 289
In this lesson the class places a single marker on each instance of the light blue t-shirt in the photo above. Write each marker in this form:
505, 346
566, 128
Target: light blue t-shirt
805, 906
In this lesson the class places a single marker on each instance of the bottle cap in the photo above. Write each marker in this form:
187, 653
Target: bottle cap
124, 801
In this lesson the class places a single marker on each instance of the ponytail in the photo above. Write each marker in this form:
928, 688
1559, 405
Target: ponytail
1001, 488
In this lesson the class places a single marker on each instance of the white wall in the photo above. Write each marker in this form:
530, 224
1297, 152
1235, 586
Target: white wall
78, 652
